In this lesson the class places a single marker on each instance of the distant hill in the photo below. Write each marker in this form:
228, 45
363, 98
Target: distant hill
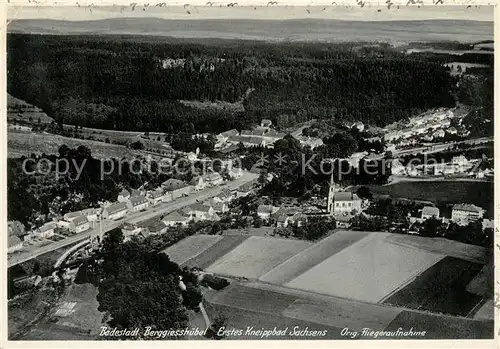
270, 30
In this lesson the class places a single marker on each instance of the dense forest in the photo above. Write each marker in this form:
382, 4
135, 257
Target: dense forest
127, 84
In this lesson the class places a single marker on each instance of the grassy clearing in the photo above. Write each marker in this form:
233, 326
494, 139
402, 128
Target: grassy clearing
216, 251
256, 256
440, 289
440, 192
367, 270
471, 253
190, 247
311, 256
442, 327
27, 143
483, 284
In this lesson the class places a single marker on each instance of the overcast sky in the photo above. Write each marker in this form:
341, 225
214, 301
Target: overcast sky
342, 12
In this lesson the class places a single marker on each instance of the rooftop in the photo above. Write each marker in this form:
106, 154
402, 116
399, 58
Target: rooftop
429, 210
80, 221
174, 184
346, 196
119, 206
467, 208
175, 217
156, 226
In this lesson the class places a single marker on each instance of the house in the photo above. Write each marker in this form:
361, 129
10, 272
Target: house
235, 173
124, 196
439, 134
130, 230
138, 203
430, 212
199, 210
224, 136
343, 221
68, 217
311, 142
192, 156
266, 123
265, 211
397, 167
460, 162
359, 126
282, 221
115, 211
167, 197
92, 214
175, 218
14, 244
463, 214
346, 202
157, 228
47, 230
213, 178
177, 188
488, 224
452, 131
244, 189
219, 207
79, 224
155, 197
198, 183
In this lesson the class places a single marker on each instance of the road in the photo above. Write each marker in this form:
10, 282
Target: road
135, 217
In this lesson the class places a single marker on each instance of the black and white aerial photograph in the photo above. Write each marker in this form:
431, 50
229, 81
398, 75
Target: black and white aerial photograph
249, 171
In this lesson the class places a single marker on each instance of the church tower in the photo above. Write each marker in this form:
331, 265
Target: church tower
331, 195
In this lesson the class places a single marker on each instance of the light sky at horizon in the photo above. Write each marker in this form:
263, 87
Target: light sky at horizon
368, 13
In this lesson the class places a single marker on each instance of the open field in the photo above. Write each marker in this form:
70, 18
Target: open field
312, 256
443, 327
440, 289
216, 251
19, 144
242, 319
367, 270
484, 283
256, 256
477, 193
190, 247
486, 311
264, 305
471, 253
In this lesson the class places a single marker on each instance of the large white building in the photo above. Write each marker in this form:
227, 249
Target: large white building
464, 214
79, 224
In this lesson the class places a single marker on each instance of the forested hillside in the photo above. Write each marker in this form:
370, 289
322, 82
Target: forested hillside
126, 84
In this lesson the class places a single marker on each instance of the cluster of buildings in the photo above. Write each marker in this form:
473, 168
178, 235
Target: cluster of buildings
426, 127
263, 135
461, 214
459, 165
136, 201
210, 209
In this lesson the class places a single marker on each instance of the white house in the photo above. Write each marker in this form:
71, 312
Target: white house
47, 230
213, 179
343, 221
155, 197
14, 244
79, 224
124, 196
198, 183
177, 188
282, 221
266, 123
167, 197
199, 210
130, 230
175, 218
265, 211
397, 167
115, 211
452, 131
92, 214
463, 214
138, 203
460, 162
439, 134
429, 212
235, 173
218, 206
346, 202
